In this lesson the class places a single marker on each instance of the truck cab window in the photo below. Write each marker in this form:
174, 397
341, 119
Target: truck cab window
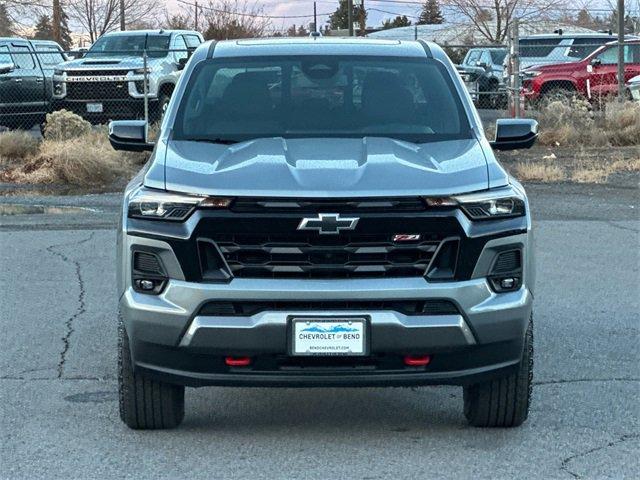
22, 57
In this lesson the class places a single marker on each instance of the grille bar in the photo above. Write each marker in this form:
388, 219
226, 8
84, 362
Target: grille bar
258, 205
406, 307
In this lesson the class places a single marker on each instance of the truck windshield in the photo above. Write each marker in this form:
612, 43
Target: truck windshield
235, 99
130, 45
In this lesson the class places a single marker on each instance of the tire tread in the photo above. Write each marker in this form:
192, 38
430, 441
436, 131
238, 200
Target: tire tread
503, 402
145, 403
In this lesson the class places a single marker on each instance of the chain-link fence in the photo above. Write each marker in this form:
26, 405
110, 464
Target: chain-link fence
503, 80
530, 70
100, 87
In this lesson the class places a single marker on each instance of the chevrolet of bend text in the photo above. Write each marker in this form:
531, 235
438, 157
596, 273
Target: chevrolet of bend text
324, 212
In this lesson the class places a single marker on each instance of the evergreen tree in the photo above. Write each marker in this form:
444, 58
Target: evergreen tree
44, 29
399, 21
339, 20
6, 25
66, 42
430, 13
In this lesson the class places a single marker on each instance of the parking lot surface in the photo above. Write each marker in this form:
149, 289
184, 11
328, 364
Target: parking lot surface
58, 400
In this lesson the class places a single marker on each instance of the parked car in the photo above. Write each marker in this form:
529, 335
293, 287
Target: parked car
108, 81
481, 71
324, 212
547, 49
595, 77
634, 88
26, 69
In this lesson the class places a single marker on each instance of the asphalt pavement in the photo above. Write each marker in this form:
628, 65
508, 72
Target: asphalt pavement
58, 401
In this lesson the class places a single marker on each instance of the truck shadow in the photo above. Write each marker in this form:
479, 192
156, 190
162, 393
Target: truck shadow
251, 409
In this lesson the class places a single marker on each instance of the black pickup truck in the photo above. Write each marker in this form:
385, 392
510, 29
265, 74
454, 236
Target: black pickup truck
26, 71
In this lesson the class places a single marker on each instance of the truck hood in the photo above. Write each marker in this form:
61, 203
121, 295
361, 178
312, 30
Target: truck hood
97, 63
365, 167
558, 67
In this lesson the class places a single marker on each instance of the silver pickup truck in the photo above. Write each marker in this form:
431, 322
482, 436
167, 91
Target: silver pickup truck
108, 81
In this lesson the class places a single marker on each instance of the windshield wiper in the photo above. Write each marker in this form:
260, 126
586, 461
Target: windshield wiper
220, 141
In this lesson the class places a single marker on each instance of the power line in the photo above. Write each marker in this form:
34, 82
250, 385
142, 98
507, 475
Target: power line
254, 15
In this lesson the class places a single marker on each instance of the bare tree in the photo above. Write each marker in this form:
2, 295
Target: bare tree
493, 18
224, 19
183, 20
98, 17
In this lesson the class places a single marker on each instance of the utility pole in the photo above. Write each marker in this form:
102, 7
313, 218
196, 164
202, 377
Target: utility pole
196, 15
621, 92
350, 16
57, 20
315, 18
363, 19
122, 25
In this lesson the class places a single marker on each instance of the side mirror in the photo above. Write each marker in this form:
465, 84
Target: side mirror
596, 62
6, 68
482, 65
515, 134
182, 62
129, 136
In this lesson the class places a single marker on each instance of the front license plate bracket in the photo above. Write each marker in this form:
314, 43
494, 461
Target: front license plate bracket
328, 336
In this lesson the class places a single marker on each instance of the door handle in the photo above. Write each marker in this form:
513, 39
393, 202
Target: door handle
39, 80
17, 80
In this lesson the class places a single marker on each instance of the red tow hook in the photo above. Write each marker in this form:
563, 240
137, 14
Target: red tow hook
238, 361
417, 360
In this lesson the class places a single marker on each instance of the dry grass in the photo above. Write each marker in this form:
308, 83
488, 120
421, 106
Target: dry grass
630, 165
17, 145
591, 175
622, 123
539, 172
87, 160
573, 122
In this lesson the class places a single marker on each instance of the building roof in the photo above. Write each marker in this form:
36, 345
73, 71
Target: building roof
465, 34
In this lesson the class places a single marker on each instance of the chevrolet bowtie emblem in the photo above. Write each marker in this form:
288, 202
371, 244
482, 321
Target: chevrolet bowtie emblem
328, 223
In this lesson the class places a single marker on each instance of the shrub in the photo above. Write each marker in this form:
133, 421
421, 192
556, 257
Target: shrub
622, 123
17, 145
87, 160
65, 125
566, 122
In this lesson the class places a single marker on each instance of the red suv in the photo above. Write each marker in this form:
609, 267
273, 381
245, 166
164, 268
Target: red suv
593, 77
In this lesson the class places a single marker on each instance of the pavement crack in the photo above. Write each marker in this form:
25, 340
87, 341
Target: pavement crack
81, 308
564, 466
621, 227
585, 380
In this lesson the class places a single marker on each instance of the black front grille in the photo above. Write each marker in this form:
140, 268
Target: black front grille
406, 307
97, 90
315, 256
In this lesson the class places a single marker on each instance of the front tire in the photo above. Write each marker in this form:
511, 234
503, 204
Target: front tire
503, 402
145, 404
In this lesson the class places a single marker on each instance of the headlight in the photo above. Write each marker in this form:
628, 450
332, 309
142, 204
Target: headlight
141, 71
160, 205
499, 203
531, 73
57, 71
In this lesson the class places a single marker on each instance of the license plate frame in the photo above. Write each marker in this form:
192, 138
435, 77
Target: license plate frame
361, 321
95, 108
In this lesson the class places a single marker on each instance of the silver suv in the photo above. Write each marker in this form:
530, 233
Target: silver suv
108, 81
324, 212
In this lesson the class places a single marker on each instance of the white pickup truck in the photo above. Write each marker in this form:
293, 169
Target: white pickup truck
108, 81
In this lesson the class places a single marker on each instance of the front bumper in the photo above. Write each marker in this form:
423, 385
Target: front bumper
171, 341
